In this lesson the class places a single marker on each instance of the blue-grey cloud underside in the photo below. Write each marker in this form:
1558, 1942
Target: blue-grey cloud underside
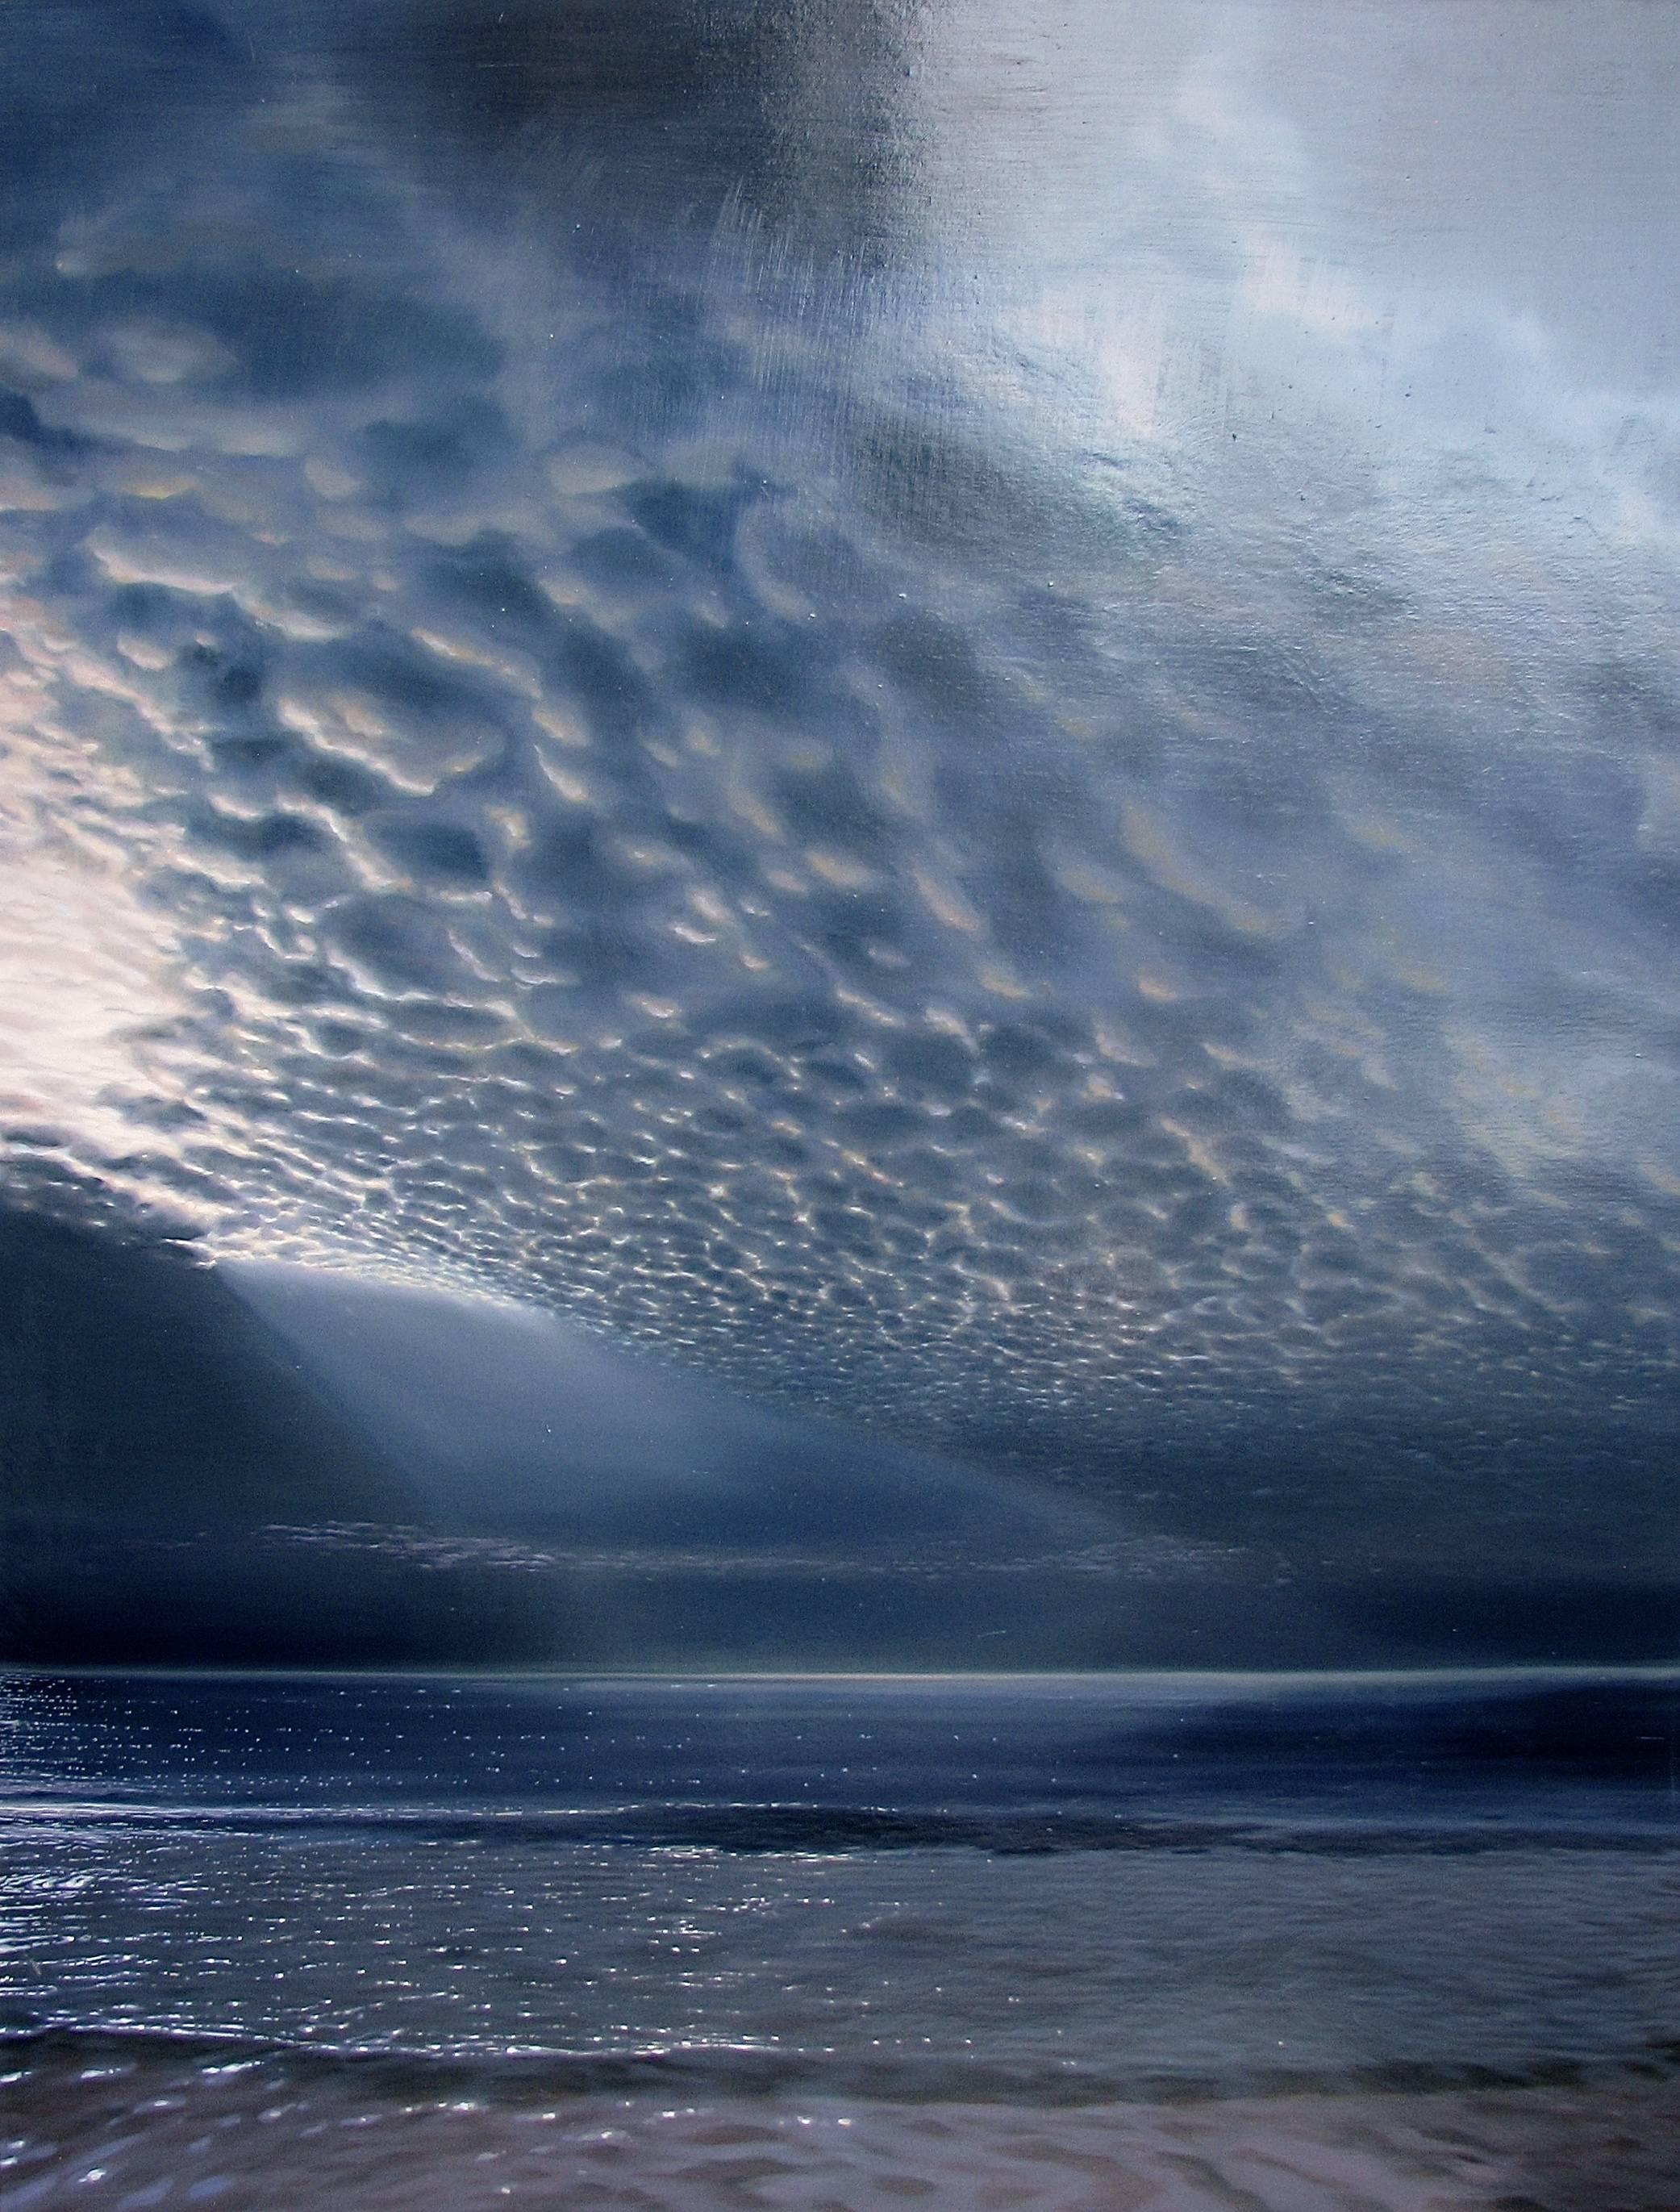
950, 745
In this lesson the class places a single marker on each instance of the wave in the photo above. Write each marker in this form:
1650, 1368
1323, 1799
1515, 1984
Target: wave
758, 1827
514, 2074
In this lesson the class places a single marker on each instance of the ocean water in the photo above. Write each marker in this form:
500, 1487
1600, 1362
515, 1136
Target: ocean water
838, 1942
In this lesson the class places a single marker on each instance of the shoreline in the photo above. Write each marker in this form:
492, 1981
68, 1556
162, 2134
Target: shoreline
512, 2077
124, 2123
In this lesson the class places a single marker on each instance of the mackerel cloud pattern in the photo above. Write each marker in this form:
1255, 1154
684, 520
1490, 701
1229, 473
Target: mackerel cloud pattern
834, 794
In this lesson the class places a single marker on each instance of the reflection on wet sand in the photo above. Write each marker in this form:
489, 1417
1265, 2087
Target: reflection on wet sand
104, 2127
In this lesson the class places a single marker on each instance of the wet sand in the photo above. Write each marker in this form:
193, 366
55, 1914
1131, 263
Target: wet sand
130, 2134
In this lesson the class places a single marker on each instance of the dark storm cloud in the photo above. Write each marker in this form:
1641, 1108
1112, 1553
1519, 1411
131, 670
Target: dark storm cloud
605, 703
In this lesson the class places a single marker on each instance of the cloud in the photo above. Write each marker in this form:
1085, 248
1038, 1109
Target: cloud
584, 1457
856, 840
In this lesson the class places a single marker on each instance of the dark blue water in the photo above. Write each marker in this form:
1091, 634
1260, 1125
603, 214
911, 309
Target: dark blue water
982, 1760
644, 1755
912, 1885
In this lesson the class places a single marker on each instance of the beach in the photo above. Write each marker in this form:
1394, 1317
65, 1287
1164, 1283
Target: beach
91, 2123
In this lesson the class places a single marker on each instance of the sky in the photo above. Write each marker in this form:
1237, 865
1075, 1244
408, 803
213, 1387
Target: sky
857, 825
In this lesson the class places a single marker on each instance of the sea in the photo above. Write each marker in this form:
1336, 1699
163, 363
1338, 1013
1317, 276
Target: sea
1406, 1941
